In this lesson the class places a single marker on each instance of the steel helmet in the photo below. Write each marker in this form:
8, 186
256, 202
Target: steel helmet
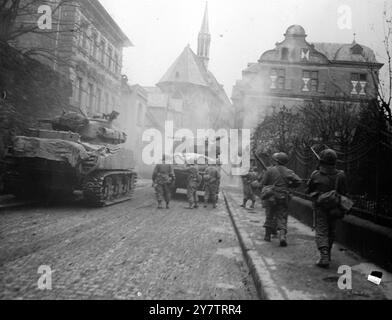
281, 158
328, 157
255, 184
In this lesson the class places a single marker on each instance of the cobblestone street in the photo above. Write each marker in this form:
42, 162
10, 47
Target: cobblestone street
127, 251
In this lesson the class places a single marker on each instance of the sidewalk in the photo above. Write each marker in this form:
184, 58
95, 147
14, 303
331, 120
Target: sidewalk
290, 273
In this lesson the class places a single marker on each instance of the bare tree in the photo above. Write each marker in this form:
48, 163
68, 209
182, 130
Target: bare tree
331, 123
20, 18
279, 131
384, 97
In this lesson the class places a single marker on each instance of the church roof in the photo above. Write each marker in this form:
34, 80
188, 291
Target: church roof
187, 69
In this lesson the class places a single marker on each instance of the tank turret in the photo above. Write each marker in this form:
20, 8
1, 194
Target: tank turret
97, 130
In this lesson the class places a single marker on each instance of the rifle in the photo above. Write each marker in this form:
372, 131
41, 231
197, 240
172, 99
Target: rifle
260, 161
315, 153
313, 208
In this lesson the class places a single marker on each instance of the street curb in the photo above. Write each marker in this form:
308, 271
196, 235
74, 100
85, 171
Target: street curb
265, 285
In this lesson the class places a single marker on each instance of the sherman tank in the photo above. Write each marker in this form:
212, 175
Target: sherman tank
74, 153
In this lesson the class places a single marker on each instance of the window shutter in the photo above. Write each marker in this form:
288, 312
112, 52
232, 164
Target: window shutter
322, 87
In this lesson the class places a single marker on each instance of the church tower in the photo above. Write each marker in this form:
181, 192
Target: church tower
204, 40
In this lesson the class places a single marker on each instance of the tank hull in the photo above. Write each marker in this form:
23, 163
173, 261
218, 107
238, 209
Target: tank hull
40, 167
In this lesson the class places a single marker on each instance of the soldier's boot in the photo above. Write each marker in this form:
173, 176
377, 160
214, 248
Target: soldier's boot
268, 233
323, 262
282, 238
253, 205
167, 205
244, 204
160, 205
214, 205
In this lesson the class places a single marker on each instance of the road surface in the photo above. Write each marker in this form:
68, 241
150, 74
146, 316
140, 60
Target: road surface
127, 251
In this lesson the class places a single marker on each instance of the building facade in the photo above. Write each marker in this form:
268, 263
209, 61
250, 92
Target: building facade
86, 48
132, 120
297, 72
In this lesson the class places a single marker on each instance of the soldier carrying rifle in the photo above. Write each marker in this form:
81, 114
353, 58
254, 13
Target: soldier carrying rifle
276, 195
328, 187
163, 179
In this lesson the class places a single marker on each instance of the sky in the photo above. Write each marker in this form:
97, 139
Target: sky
241, 30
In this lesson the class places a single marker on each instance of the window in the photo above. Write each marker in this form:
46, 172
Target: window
106, 102
358, 77
99, 97
285, 54
79, 86
357, 49
110, 52
84, 28
311, 80
90, 97
280, 78
102, 48
116, 66
94, 45
359, 82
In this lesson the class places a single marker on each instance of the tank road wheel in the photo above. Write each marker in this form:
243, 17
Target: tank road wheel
119, 186
108, 189
126, 185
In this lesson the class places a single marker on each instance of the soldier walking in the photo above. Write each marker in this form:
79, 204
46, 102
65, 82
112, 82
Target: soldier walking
193, 182
211, 183
326, 179
248, 190
281, 179
163, 178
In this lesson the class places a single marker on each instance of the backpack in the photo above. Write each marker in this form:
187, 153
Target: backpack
334, 203
273, 195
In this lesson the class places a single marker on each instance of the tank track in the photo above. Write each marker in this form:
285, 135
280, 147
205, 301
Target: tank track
107, 188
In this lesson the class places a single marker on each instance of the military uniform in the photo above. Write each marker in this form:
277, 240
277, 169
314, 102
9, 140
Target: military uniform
163, 177
211, 184
324, 180
248, 191
193, 183
277, 213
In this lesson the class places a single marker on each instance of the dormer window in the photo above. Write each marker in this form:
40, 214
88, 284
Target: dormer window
285, 54
357, 49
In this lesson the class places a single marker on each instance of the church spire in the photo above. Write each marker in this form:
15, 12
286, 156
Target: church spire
204, 40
